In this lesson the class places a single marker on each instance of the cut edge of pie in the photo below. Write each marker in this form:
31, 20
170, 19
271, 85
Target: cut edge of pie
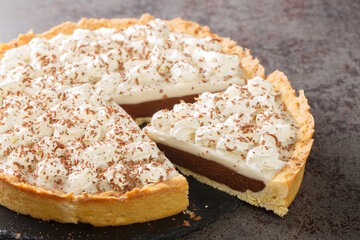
280, 192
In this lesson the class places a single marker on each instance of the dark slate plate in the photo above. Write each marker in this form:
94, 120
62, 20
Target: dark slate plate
205, 201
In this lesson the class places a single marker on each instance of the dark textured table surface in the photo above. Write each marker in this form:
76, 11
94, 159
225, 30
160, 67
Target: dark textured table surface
317, 45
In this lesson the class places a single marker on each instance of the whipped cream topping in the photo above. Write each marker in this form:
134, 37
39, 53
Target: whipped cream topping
245, 128
142, 63
73, 140
60, 127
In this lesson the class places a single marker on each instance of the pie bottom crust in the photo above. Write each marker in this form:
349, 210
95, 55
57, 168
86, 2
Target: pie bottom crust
151, 202
274, 197
279, 193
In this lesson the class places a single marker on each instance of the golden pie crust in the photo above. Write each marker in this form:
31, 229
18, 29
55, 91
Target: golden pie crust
281, 191
150, 202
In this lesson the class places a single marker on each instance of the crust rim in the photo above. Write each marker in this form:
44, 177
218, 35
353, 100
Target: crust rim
151, 202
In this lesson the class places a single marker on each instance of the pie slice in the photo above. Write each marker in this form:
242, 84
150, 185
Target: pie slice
142, 64
251, 141
66, 154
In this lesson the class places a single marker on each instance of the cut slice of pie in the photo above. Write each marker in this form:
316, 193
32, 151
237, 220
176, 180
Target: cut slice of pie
251, 141
143, 64
66, 154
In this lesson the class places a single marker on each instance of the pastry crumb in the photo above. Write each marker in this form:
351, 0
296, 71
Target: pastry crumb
186, 223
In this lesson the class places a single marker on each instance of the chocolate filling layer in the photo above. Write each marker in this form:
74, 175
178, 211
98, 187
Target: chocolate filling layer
147, 109
212, 170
